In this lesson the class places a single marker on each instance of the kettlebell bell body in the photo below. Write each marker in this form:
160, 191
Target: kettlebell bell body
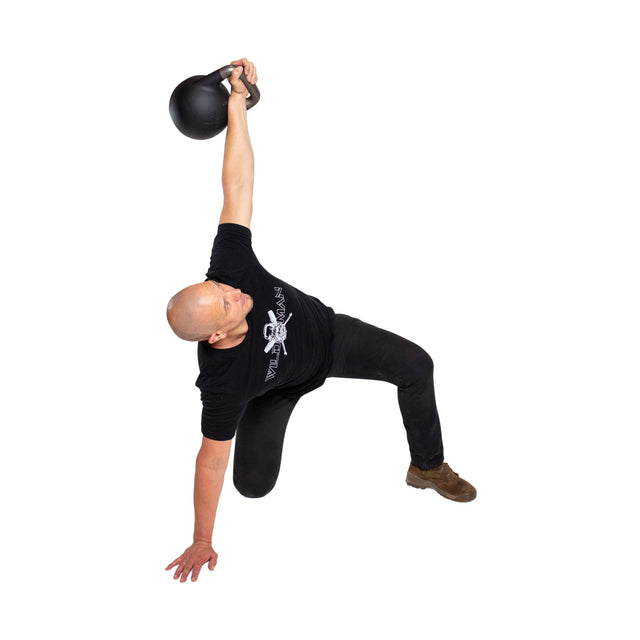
198, 105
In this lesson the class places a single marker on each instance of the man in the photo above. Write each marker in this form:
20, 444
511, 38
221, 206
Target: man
262, 344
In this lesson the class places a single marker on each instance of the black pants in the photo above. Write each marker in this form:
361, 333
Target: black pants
360, 350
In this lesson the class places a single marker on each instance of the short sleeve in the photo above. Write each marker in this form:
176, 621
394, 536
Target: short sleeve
232, 252
221, 415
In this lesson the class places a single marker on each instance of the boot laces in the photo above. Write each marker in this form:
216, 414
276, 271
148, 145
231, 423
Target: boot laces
447, 470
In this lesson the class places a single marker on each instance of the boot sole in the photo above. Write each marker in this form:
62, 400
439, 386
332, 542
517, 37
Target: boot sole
419, 483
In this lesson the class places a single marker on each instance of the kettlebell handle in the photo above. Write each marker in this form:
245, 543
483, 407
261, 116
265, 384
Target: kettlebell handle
224, 72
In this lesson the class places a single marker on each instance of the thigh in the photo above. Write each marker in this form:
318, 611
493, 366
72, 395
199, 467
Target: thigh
361, 350
259, 442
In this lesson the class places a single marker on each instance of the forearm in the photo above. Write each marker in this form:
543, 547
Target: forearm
206, 495
237, 167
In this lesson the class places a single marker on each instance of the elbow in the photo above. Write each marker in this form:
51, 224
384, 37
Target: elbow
237, 187
213, 455
211, 463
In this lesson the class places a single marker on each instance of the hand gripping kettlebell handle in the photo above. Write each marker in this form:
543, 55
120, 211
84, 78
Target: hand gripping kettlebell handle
253, 90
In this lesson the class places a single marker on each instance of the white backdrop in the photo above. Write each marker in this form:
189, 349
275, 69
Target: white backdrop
462, 173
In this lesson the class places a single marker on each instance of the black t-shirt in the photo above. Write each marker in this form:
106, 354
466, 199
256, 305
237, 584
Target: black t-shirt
288, 345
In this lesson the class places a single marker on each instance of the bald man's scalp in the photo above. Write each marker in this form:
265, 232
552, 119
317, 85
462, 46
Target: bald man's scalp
191, 312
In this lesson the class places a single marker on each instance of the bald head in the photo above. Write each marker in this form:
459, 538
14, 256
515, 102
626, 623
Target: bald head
192, 312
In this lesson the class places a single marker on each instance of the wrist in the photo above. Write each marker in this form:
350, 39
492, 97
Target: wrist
236, 98
202, 540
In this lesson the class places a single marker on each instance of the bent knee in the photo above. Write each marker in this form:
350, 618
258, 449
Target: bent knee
251, 486
419, 361
417, 366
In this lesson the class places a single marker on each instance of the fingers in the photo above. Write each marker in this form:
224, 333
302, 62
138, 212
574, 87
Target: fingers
235, 75
187, 566
249, 69
183, 570
181, 563
186, 571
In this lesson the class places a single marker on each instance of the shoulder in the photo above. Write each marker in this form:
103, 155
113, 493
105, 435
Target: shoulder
222, 371
232, 251
232, 232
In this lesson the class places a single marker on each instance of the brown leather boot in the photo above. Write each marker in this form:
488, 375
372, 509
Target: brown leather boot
444, 480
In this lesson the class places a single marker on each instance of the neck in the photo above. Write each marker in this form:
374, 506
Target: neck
234, 337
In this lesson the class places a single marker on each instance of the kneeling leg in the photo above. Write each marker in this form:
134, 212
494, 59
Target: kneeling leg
259, 442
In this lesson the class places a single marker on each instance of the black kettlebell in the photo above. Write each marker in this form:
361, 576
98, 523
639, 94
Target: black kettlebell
198, 105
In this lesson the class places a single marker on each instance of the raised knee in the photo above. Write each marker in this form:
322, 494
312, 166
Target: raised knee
252, 487
420, 361
418, 366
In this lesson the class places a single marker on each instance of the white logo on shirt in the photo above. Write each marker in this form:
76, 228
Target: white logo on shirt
275, 333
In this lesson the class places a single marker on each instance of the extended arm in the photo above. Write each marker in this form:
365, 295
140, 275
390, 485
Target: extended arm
211, 465
237, 167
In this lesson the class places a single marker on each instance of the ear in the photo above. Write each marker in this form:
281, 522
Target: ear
216, 336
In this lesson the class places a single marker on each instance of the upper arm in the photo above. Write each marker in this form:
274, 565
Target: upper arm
238, 205
214, 453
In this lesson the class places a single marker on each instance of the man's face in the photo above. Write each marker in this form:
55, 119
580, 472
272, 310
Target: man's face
230, 305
